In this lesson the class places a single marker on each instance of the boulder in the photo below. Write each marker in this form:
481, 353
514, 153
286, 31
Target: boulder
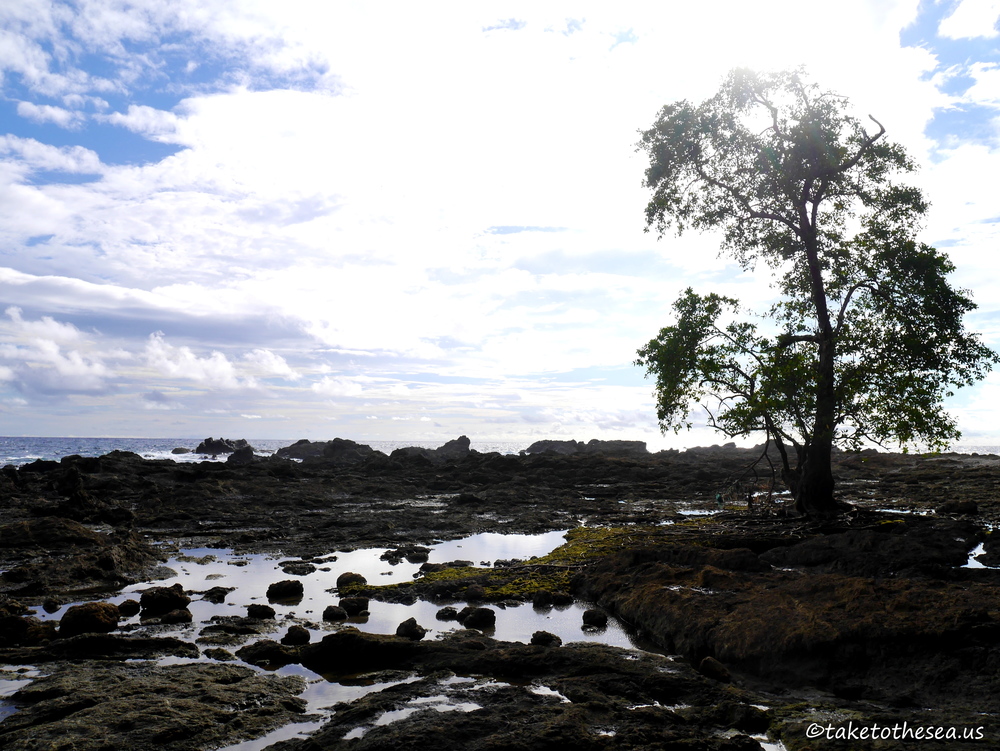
260, 612
297, 568
412, 553
181, 615
24, 630
712, 668
286, 589
241, 457
335, 613
481, 618
296, 636
447, 613
90, 617
348, 578
161, 600
268, 652
545, 639
350, 651
595, 617
410, 629
217, 595
128, 608
354, 605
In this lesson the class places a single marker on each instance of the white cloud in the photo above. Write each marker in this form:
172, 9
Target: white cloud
47, 113
267, 363
45, 328
338, 387
214, 371
155, 124
972, 19
40, 156
333, 196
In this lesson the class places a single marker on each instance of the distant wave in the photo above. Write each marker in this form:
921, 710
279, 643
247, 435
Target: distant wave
18, 450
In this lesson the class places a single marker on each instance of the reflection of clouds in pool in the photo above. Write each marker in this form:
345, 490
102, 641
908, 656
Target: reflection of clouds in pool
489, 546
201, 569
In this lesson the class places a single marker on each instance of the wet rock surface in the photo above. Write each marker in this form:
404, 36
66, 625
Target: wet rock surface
875, 616
139, 706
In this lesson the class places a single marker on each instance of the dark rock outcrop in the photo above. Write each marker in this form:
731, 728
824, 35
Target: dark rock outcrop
592, 447
348, 578
157, 601
410, 629
339, 451
286, 589
453, 451
132, 706
215, 446
90, 617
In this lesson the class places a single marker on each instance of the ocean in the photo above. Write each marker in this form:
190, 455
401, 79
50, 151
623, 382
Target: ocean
18, 450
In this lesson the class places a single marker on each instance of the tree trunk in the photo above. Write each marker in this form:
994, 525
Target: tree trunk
814, 491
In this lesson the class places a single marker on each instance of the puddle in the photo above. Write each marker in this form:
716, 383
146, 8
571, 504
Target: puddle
320, 696
974, 554
695, 512
11, 681
440, 703
249, 576
768, 745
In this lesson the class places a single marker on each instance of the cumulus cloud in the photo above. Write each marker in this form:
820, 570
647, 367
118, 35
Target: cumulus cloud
214, 371
45, 328
337, 387
972, 19
47, 113
48, 357
40, 156
267, 363
45, 369
155, 124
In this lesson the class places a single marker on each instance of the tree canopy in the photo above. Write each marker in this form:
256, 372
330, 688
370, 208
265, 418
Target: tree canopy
867, 337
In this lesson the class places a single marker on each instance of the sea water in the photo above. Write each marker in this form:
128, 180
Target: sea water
18, 450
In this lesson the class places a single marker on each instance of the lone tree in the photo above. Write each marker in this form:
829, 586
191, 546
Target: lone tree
867, 337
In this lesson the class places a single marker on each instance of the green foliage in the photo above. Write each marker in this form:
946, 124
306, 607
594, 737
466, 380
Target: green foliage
867, 337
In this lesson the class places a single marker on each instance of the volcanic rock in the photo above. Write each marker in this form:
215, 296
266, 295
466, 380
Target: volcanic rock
216, 446
296, 636
334, 613
286, 589
410, 629
90, 617
161, 600
350, 577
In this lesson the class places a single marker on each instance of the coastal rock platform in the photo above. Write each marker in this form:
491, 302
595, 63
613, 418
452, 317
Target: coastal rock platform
757, 625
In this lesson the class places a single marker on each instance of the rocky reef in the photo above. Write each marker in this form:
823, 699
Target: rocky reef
756, 626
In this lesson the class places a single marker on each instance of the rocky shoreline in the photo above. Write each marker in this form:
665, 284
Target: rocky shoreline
758, 625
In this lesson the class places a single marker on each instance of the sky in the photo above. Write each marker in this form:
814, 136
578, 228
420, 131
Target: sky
413, 221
